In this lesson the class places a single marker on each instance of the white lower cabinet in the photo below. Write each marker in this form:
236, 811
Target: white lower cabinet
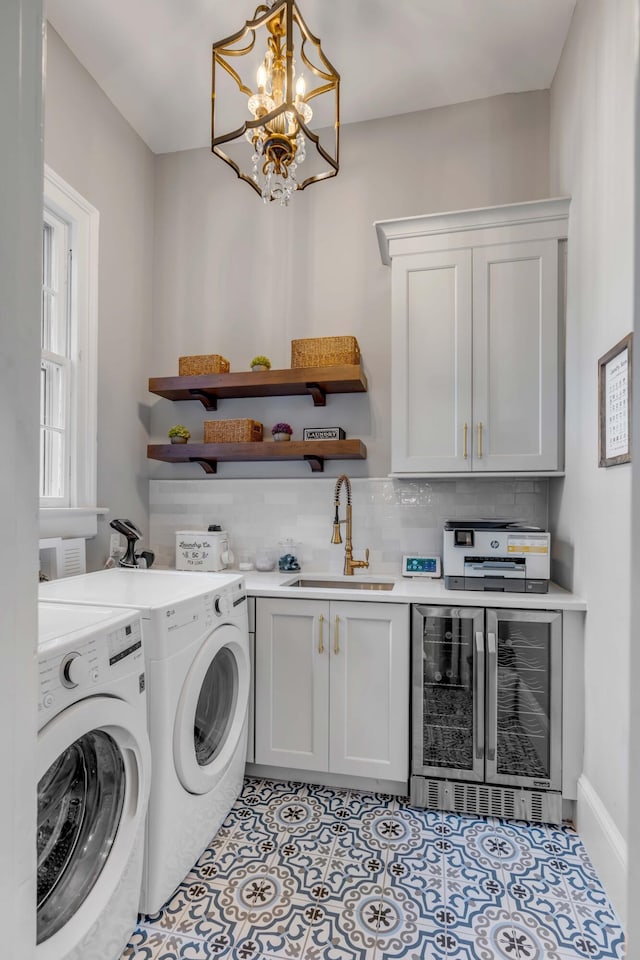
332, 687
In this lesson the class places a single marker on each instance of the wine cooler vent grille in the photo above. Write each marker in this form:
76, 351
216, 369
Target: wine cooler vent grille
482, 800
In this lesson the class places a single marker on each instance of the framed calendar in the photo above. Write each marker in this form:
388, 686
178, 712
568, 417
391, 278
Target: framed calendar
614, 403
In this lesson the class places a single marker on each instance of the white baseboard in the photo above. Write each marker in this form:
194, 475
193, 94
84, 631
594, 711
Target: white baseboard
605, 845
340, 780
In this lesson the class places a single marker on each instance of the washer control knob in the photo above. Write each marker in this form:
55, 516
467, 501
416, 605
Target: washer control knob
221, 605
47, 700
74, 670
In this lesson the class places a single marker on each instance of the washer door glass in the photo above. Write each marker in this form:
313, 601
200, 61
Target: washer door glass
80, 800
216, 706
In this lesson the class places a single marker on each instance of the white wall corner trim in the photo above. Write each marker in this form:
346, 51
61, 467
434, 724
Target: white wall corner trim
605, 845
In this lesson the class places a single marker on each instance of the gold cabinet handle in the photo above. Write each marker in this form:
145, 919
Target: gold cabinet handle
320, 642
479, 440
465, 432
336, 644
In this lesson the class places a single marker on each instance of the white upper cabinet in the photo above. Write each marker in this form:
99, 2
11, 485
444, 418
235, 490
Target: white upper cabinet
477, 339
431, 363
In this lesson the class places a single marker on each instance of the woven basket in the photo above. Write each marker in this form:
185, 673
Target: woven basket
206, 363
324, 352
231, 431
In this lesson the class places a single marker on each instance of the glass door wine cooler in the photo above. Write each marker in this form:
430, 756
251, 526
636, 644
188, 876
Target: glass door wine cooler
486, 716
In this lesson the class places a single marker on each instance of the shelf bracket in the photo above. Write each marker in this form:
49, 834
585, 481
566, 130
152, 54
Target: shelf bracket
316, 463
208, 401
209, 466
319, 395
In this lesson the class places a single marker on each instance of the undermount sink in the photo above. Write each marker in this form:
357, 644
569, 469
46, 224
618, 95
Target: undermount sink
350, 584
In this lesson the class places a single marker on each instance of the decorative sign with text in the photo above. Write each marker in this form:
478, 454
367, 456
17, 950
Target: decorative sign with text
614, 392
323, 433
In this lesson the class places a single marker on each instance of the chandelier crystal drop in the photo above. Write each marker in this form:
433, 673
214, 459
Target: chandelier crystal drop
265, 78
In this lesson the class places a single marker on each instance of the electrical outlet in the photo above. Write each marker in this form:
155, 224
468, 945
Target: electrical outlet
115, 547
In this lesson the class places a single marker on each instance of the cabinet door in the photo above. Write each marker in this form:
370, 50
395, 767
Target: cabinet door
524, 698
448, 726
292, 683
431, 362
369, 701
515, 357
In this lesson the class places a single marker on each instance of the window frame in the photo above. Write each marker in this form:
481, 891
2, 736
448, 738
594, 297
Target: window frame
78, 515
57, 250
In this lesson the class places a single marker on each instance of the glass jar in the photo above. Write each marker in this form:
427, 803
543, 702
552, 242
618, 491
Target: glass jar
265, 559
288, 556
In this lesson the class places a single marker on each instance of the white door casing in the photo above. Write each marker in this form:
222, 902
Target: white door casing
21, 30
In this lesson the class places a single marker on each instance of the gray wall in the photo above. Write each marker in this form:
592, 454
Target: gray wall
90, 145
233, 276
592, 130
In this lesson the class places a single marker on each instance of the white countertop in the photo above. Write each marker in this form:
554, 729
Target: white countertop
406, 590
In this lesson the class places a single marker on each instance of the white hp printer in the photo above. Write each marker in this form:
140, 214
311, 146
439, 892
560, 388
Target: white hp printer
501, 555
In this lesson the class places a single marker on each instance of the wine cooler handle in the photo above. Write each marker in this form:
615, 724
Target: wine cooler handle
478, 694
492, 694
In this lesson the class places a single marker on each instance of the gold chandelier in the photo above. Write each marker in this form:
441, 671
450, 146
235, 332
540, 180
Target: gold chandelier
268, 116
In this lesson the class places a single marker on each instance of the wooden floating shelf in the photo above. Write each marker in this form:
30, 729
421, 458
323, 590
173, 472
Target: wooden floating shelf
315, 382
208, 455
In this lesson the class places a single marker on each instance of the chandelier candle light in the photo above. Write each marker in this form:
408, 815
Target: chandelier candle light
269, 115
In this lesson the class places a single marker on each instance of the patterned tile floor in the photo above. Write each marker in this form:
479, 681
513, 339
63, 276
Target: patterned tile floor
312, 873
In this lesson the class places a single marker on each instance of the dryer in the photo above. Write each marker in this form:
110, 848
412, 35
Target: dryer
94, 774
195, 632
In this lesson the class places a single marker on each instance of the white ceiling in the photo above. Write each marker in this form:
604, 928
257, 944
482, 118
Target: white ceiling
153, 57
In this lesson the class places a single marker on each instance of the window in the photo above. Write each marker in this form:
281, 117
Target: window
68, 364
55, 363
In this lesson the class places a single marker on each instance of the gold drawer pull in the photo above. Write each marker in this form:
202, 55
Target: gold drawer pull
465, 431
320, 643
479, 440
336, 644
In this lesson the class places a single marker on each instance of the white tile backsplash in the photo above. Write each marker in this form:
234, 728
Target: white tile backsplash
391, 517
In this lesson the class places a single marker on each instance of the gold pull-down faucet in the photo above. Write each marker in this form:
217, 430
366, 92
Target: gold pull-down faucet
349, 563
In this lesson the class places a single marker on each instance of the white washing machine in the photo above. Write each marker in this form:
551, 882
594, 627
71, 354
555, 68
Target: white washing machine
94, 774
196, 642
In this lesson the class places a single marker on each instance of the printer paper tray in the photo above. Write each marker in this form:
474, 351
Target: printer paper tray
497, 584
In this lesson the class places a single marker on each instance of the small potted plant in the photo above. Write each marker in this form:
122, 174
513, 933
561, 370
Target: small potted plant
260, 363
178, 434
281, 431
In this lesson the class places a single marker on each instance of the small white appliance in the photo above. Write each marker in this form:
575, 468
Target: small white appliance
203, 550
94, 774
195, 633
500, 555
421, 565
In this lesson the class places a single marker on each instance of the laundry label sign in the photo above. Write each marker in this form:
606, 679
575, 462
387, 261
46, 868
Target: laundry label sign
323, 433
